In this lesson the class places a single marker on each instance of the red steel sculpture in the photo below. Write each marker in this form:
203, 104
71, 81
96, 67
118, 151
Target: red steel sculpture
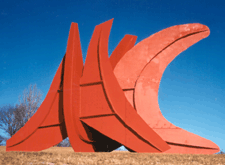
113, 101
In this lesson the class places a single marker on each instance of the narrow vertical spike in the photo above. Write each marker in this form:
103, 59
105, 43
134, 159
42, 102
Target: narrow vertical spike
71, 93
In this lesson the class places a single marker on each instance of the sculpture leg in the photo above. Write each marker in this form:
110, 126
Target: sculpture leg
46, 127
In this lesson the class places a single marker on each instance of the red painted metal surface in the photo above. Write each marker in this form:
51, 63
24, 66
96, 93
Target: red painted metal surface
110, 113
140, 72
71, 93
125, 44
46, 127
94, 107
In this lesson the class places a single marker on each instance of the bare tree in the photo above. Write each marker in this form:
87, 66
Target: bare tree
8, 123
14, 117
28, 104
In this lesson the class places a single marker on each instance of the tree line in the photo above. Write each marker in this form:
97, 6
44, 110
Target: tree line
14, 117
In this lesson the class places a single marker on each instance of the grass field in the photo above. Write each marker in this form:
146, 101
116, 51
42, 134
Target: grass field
60, 156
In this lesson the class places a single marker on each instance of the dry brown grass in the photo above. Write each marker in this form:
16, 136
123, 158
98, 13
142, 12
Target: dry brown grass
60, 156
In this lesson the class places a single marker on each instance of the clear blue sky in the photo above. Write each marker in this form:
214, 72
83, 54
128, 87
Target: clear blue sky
33, 39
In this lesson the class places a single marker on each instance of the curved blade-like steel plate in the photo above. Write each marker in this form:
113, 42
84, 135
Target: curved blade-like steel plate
125, 44
46, 127
111, 114
77, 134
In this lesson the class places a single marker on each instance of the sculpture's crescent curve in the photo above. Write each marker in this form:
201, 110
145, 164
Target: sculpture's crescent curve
141, 88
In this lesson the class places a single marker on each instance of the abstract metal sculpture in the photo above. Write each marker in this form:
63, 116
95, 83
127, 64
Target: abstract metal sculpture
111, 102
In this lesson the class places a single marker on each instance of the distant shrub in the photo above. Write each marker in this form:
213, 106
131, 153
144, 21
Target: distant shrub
64, 143
221, 152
